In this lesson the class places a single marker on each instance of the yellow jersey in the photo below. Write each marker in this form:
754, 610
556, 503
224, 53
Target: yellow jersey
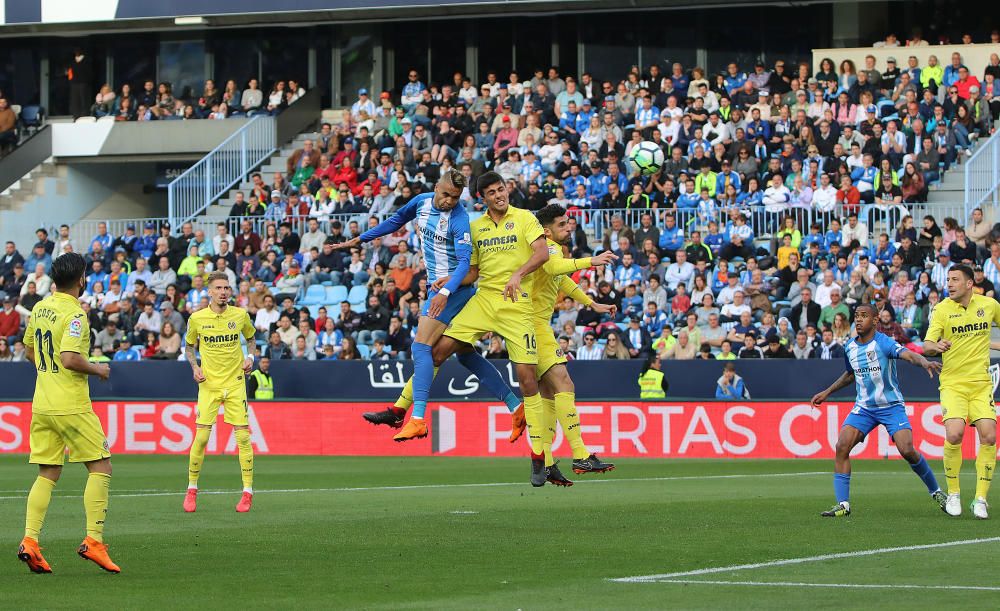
499, 249
968, 330
58, 324
551, 278
217, 337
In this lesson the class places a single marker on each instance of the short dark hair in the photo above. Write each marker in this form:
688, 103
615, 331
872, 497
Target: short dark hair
870, 306
487, 180
965, 269
67, 270
548, 215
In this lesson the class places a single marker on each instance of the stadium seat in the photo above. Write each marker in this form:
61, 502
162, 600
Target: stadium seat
31, 118
364, 351
357, 298
313, 311
335, 294
315, 295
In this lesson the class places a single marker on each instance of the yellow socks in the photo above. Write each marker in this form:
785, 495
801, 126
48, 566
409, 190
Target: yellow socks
38, 505
534, 414
549, 432
95, 502
953, 465
405, 400
246, 458
986, 461
570, 422
197, 456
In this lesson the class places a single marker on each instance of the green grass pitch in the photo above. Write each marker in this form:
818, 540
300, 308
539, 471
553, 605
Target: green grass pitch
451, 533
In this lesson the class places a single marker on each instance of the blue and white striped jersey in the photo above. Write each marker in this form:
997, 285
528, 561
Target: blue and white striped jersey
445, 237
874, 368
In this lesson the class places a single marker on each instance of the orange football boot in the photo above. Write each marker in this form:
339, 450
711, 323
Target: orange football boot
518, 423
415, 428
191, 500
97, 552
29, 553
246, 501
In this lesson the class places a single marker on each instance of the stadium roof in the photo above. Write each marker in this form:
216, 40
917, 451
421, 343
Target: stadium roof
58, 17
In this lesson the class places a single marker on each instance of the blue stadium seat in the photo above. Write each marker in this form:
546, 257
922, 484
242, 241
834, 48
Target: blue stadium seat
313, 311
335, 294
357, 297
364, 351
315, 294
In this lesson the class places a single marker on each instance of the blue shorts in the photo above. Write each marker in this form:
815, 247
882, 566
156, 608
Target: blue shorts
456, 301
893, 418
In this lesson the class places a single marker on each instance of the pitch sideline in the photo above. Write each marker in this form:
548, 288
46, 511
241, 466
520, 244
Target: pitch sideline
154, 493
677, 577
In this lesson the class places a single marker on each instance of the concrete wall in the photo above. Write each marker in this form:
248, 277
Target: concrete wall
975, 57
81, 191
189, 139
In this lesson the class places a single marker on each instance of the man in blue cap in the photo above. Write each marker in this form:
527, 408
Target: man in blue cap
364, 103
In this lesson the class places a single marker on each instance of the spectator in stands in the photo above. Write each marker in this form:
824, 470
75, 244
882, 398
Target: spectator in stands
730, 386
808, 312
8, 127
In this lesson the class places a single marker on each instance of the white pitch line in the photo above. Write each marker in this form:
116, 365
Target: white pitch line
436, 486
788, 561
795, 584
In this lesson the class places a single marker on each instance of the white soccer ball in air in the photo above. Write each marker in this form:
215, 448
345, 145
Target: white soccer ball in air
646, 157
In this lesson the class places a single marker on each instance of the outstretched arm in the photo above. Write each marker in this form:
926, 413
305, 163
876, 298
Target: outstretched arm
845, 379
931, 367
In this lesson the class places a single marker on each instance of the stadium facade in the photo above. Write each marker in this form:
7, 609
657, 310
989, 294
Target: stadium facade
340, 46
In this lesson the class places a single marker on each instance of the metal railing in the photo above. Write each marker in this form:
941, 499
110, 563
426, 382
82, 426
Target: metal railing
596, 223
226, 165
982, 174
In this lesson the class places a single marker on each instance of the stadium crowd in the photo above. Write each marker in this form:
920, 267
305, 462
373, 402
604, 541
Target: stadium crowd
782, 203
160, 101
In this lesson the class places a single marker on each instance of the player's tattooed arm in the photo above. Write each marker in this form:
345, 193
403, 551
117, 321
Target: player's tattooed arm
845, 379
192, 359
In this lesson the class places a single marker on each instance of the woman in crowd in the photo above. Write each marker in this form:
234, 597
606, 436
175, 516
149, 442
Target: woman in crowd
614, 349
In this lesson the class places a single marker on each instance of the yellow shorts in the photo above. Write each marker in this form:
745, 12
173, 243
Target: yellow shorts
969, 402
510, 320
81, 433
549, 352
233, 400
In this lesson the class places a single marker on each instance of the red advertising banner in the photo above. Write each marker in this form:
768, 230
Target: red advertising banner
632, 429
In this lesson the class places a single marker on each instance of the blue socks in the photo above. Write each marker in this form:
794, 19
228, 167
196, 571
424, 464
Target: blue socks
842, 487
488, 377
423, 375
923, 471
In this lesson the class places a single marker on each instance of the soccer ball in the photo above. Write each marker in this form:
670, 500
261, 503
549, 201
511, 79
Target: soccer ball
646, 157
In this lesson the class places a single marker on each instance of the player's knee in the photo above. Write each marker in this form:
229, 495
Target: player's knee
908, 452
988, 439
954, 437
844, 448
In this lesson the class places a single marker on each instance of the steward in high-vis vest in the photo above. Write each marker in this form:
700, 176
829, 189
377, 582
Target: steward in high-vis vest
261, 383
652, 384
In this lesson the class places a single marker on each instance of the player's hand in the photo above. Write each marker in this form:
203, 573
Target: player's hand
604, 308
248, 365
103, 371
818, 399
931, 367
605, 258
943, 345
513, 287
348, 244
437, 305
438, 284
199, 377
